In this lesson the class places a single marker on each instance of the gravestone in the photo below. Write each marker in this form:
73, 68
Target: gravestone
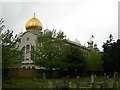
50, 84
57, 84
104, 75
106, 83
101, 85
65, 84
92, 78
34, 79
44, 76
95, 75
115, 80
78, 77
107, 77
68, 76
92, 81
70, 84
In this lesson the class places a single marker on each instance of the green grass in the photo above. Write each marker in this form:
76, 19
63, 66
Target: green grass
12, 83
22, 82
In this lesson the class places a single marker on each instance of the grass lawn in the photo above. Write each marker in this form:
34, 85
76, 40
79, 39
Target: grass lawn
23, 82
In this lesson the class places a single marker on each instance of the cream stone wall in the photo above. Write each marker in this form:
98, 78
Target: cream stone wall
27, 63
24, 42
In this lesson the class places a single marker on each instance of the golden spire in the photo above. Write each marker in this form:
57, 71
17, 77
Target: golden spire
33, 24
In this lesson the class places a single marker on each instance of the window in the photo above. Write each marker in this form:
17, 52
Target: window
27, 47
28, 39
24, 67
33, 67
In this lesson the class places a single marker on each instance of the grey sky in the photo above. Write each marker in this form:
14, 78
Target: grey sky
119, 20
77, 19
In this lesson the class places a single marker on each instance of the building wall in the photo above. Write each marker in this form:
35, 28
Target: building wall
31, 73
24, 41
28, 38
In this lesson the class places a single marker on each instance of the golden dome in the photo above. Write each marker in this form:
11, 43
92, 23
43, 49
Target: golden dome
33, 24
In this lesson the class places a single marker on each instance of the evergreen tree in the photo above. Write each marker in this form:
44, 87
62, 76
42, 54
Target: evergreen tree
10, 54
111, 55
76, 59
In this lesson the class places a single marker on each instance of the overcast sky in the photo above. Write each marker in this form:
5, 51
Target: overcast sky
77, 19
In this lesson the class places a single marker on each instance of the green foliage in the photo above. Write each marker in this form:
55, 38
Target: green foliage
10, 53
111, 55
1, 25
94, 61
49, 50
53, 51
75, 59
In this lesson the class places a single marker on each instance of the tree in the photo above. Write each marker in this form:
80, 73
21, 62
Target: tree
49, 51
1, 25
10, 54
94, 61
75, 59
111, 55
53, 51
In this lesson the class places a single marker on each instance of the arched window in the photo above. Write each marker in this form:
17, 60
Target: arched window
27, 52
27, 47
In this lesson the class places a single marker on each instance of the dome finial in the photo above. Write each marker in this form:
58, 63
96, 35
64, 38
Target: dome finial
34, 15
33, 24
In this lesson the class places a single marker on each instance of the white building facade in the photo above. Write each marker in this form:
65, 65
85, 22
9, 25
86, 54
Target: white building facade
27, 40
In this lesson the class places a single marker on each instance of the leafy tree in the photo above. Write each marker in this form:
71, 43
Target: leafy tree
49, 50
76, 59
53, 51
111, 55
94, 61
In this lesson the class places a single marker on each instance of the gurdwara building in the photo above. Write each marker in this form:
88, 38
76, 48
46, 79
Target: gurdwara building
27, 40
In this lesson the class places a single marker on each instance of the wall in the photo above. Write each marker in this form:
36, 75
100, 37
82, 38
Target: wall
28, 73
